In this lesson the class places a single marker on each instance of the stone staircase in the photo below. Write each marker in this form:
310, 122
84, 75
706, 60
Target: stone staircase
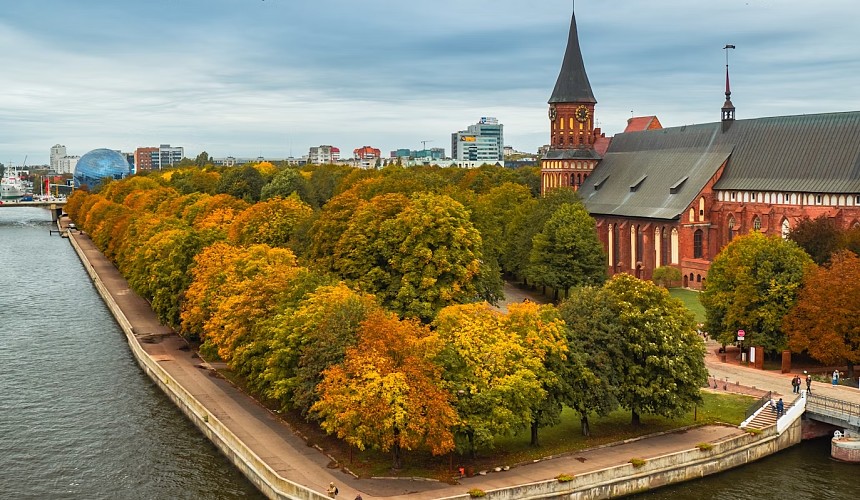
766, 417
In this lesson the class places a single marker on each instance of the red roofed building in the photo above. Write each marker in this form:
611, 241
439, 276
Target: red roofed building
366, 153
640, 123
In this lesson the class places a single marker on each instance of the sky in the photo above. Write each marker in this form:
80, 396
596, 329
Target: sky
272, 78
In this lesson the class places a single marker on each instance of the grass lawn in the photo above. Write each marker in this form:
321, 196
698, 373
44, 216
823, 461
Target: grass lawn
691, 300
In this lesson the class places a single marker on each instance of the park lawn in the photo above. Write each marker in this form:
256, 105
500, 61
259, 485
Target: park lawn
691, 300
566, 437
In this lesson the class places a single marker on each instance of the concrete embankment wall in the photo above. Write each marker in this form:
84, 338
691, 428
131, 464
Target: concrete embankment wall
678, 467
258, 472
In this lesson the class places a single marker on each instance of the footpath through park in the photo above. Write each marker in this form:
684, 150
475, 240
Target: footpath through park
292, 458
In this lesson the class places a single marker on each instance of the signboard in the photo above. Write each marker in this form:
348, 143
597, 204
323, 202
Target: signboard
741, 334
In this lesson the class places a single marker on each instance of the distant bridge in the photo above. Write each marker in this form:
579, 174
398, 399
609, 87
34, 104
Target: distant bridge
55, 205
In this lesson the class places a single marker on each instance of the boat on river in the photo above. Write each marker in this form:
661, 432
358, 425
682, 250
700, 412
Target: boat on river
12, 187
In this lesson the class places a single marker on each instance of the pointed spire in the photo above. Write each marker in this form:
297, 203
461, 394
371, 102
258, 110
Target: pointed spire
572, 84
728, 111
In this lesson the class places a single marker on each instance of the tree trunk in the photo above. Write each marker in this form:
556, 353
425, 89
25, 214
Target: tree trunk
471, 435
535, 433
635, 419
555, 295
850, 373
586, 429
395, 451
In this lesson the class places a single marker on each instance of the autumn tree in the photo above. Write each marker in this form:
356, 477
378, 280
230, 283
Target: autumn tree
752, 283
661, 365
271, 222
490, 372
825, 320
387, 393
566, 252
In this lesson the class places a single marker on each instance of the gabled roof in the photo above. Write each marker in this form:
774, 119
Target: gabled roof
572, 84
805, 153
639, 123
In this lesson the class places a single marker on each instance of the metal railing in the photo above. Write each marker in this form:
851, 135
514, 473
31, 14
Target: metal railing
758, 404
830, 405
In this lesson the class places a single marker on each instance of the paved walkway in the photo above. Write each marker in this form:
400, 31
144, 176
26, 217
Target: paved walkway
733, 374
288, 454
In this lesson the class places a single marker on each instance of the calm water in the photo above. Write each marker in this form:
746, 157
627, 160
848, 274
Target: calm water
78, 418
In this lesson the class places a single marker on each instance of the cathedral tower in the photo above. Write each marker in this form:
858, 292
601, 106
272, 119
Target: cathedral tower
571, 156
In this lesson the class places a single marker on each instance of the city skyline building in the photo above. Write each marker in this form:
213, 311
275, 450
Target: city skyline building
319, 155
481, 143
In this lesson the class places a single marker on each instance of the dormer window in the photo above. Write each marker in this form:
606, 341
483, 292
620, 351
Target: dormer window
635, 186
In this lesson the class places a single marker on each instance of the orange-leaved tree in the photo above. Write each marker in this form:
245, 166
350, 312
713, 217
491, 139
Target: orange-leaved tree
825, 320
387, 393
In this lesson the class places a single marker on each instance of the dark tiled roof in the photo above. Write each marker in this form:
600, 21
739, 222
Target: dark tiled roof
572, 84
805, 153
572, 154
802, 153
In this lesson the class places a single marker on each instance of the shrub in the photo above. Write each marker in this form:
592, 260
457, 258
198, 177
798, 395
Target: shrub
638, 462
705, 446
477, 492
666, 276
564, 478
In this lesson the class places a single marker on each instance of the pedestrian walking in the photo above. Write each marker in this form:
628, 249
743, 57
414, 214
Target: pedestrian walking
835, 377
795, 384
780, 408
808, 383
332, 490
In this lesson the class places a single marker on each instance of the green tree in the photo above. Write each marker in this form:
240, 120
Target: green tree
751, 285
203, 159
819, 237
540, 329
666, 276
286, 182
594, 339
490, 372
310, 339
825, 320
434, 254
661, 366
566, 252
242, 182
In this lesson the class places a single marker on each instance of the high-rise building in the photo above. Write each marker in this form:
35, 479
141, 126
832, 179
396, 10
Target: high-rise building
480, 143
57, 151
169, 156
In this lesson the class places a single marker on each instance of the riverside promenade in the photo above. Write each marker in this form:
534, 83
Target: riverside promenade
288, 455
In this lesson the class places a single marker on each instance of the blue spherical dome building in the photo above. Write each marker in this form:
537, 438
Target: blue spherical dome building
99, 164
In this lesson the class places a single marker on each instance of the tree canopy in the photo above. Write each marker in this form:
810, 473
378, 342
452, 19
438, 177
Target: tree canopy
825, 320
752, 283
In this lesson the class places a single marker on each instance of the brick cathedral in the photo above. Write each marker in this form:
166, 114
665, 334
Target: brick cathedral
676, 196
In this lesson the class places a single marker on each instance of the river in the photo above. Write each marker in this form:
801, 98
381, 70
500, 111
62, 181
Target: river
78, 418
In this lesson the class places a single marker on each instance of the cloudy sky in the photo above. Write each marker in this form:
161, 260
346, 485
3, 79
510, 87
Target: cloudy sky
274, 77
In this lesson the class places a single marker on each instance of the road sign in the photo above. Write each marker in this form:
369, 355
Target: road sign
741, 334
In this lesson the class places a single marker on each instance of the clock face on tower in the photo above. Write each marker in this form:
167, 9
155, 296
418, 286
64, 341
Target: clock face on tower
582, 113
552, 112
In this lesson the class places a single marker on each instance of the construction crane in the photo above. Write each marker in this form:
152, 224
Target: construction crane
424, 144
